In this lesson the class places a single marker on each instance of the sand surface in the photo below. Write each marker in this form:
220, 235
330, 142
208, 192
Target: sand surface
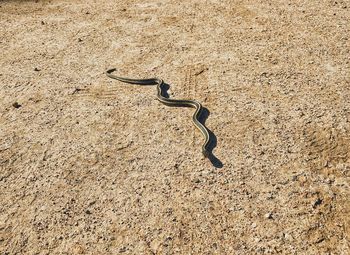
89, 165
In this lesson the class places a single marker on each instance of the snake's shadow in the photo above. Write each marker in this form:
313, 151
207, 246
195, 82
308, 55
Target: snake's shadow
202, 118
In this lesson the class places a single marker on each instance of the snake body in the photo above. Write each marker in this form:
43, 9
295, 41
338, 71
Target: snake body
171, 102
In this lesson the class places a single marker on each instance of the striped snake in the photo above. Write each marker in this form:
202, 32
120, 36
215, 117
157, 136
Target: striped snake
171, 102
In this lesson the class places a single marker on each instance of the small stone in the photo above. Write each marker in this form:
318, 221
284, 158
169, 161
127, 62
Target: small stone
80, 40
16, 105
76, 90
317, 203
269, 196
288, 237
92, 202
268, 216
36, 69
122, 249
320, 239
196, 180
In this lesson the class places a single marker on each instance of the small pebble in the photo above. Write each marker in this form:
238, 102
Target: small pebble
268, 215
317, 203
196, 180
288, 237
16, 105
123, 249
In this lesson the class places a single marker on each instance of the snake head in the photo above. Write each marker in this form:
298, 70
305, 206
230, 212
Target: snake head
111, 70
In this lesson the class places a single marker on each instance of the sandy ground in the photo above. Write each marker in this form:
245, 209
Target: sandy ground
90, 165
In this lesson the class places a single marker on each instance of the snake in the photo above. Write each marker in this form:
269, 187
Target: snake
171, 102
